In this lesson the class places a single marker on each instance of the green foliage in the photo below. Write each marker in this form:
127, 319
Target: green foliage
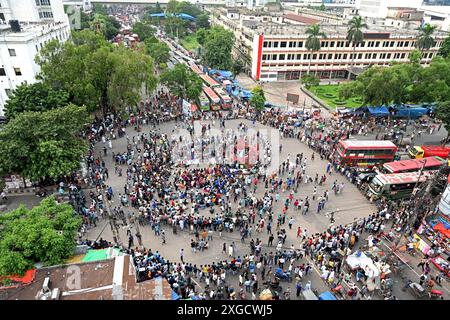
100, 9
44, 234
258, 98
354, 33
34, 97
444, 50
106, 25
176, 7
308, 80
314, 35
159, 51
201, 35
237, 67
202, 21
182, 82
425, 40
443, 113
37, 145
415, 56
322, 7
143, 30
94, 72
176, 27
217, 48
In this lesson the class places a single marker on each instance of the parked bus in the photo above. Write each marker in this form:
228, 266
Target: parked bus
213, 98
195, 69
365, 154
210, 82
227, 102
397, 185
428, 163
204, 102
417, 152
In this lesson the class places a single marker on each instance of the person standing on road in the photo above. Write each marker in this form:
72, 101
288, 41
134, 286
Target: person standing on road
182, 255
298, 286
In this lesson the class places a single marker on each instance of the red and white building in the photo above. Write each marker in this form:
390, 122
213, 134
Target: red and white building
273, 46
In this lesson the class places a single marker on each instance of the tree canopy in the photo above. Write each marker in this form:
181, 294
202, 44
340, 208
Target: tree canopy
106, 25
217, 47
43, 234
182, 82
92, 70
34, 97
143, 30
159, 51
44, 144
425, 40
258, 98
444, 50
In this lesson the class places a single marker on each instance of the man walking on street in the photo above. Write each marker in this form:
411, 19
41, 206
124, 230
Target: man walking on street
181, 255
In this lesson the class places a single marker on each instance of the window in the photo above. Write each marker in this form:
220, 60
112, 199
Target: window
321, 56
292, 44
282, 56
360, 56
406, 44
17, 71
12, 52
42, 2
392, 44
264, 56
314, 56
275, 44
345, 56
299, 57
388, 56
332, 44
374, 56
402, 56
385, 44
274, 57
283, 44
300, 44
265, 44
2, 72
330, 56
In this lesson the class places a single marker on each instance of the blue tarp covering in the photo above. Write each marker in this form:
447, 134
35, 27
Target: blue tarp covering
327, 296
181, 15
381, 111
410, 111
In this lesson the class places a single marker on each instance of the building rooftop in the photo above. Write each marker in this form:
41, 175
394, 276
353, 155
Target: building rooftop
301, 19
112, 279
28, 31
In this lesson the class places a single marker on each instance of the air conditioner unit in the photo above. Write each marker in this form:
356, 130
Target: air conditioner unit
56, 293
45, 285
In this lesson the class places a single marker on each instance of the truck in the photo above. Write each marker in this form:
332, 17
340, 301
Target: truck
418, 152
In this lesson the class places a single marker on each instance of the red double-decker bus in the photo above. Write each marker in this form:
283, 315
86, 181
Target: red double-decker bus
210, 82
365, 154
213, 98
195, 69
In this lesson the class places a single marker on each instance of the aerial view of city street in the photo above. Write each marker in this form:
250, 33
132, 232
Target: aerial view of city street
224, 150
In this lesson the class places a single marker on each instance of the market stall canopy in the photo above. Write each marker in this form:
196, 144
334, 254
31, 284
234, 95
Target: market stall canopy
327, 296
381, 111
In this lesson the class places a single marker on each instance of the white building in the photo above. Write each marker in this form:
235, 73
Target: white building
379, 8
39, 21
438, 16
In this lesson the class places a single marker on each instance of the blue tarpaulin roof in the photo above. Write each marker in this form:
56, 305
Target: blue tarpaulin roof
378, 111
181, 15
327, 296
175, 296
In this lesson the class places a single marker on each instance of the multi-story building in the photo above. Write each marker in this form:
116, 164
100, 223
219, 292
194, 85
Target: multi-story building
273, 49
26, 26
379, 8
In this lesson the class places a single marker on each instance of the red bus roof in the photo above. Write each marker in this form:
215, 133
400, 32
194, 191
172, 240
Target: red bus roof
367, 144
196, 69
208, 80
404, 177
223, 94
211, 94
436, 148
414, 164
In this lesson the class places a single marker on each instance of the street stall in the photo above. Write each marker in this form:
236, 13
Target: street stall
359, 260
327, 296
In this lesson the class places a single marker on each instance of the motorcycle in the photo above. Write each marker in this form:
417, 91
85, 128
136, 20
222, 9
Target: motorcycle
282, 275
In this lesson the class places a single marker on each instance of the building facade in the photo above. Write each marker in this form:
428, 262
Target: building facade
277, 51
39, 21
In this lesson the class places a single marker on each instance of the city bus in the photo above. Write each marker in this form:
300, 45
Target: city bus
227, 102
213, 98
365, 154
195, 69
428, 163
204, 102
210, 82
397, 185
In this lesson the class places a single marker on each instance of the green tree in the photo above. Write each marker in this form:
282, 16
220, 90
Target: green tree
444, 50
100, 9
43, 234
143, 30
188, 8
159, 51
217, 48
202, 21
415, 56
443, 113
309, 81
172, 6
45, 144
322, 7
355, 34
106, 25
425, 39
34, 97
94, 72
258, 98
313, 41
176, 27
182, 82
201, 35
